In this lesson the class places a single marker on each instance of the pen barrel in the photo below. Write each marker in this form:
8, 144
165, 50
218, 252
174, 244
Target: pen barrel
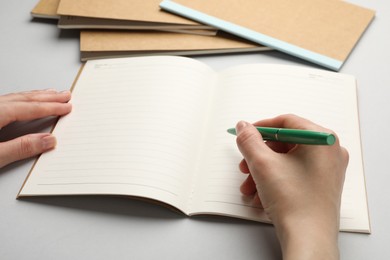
297, 136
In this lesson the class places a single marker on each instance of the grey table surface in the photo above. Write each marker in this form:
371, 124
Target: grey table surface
34, 54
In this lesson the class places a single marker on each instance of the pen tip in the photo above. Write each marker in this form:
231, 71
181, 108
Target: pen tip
232, 131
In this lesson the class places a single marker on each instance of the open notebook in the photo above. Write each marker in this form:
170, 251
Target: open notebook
155, 127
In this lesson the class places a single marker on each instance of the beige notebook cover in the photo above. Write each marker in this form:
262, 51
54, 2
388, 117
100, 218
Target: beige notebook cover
78, 22
46, 9
102, 44
320, 31
133, 10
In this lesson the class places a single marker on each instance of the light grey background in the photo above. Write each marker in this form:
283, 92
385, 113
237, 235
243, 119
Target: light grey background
34, 54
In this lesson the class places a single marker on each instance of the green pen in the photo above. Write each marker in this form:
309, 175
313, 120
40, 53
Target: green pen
296, 136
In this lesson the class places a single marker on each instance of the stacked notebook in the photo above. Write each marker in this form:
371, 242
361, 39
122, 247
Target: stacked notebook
132, 28
320, 31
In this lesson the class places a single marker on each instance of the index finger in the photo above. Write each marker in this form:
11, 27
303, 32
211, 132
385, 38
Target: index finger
38, 96
20, 111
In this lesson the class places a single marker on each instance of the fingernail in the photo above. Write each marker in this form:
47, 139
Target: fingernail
50, 90
65, 92
240, 126
48, 142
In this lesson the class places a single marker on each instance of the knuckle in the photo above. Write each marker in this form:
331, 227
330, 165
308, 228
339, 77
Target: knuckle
263, 162
27, 96
9, 115
258, 162
345, 154
26, 147
289, 116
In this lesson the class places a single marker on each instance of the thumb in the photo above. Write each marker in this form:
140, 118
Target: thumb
249, 141
25, 147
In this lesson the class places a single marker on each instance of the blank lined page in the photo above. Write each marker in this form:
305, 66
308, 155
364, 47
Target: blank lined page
133, 131
255, 92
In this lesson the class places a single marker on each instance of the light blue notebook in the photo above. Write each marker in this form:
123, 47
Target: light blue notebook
320, 31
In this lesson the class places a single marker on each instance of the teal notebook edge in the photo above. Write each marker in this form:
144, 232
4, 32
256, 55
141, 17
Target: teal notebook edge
251, 35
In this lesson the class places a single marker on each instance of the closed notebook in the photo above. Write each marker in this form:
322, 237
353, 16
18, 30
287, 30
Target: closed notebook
46, 9
78, 22
103, 44
127, 10
320, 31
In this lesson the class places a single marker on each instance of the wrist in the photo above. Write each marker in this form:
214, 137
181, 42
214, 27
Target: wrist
308, 237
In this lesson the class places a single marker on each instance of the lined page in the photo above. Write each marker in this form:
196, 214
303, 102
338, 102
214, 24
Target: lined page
133, 131
255, 92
